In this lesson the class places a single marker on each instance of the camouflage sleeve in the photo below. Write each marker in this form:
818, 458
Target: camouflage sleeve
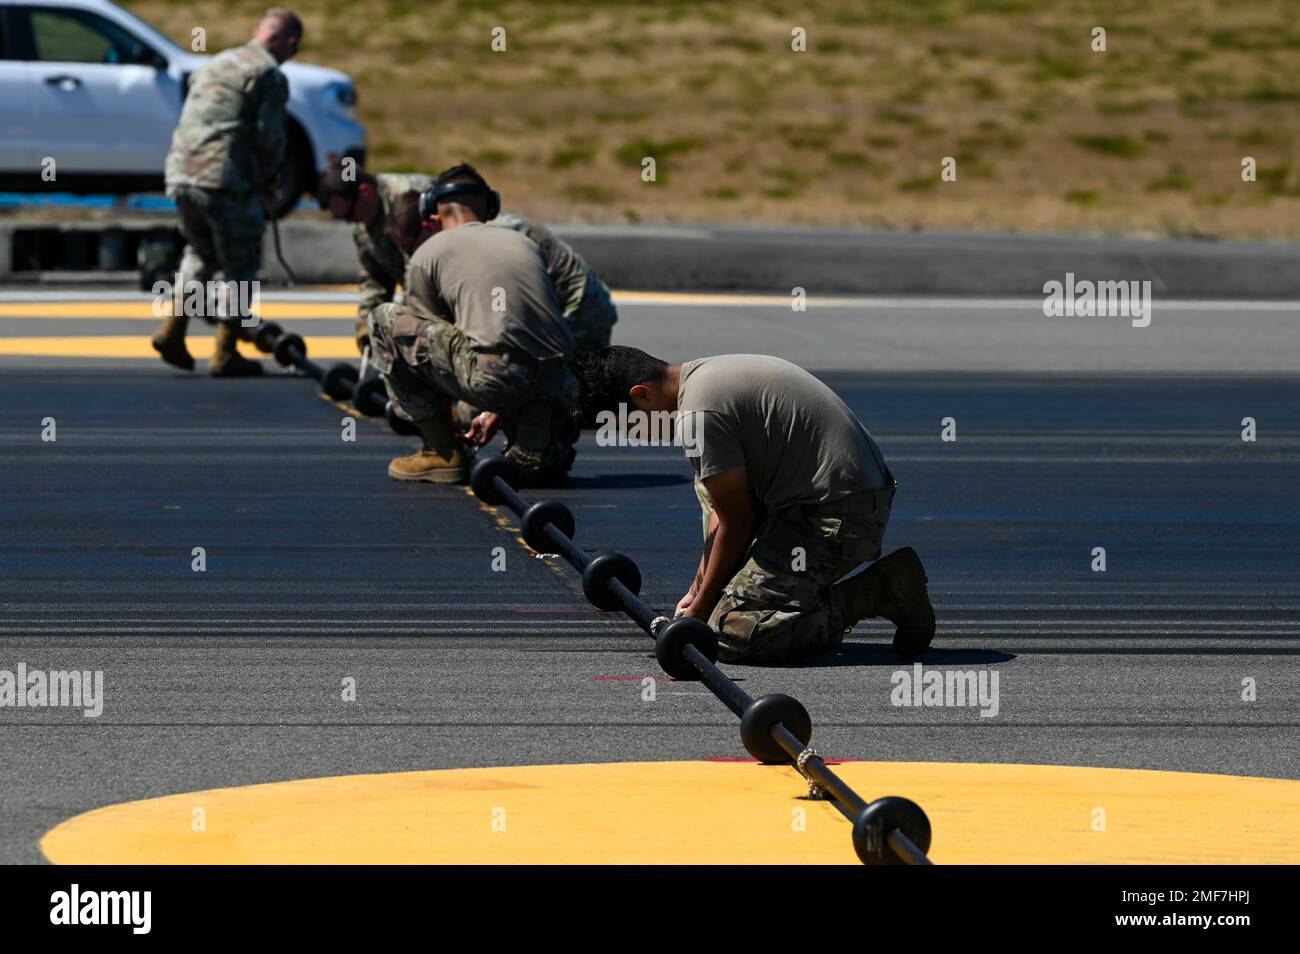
272, 130
375, 287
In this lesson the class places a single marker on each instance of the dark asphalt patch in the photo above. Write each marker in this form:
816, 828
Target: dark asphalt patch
321, 569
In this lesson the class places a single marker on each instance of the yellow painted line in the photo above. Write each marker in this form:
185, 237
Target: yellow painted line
90, 309
140, 310
503, 518
132, 346
695, 813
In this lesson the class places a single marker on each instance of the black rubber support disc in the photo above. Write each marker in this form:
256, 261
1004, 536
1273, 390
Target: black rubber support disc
765, 712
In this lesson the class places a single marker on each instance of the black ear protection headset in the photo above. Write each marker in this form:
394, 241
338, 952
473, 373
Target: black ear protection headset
441, 191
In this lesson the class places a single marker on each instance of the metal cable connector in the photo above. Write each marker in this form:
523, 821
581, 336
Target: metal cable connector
814, 790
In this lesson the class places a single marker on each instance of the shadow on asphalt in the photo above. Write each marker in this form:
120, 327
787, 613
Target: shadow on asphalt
626, 481
882, 654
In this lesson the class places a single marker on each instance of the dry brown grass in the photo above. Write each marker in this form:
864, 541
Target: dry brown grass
1146, 139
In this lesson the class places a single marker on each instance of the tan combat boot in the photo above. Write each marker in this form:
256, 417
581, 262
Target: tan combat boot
894, 587
226, 361
439, 462
169, 339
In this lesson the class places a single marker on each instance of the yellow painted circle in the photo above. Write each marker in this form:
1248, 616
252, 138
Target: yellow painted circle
695, 813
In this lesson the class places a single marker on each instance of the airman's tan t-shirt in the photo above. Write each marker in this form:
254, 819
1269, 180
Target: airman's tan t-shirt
798, 442
492, 284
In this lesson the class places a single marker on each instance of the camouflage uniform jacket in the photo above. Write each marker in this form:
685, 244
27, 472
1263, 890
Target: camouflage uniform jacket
232, 132
383, 264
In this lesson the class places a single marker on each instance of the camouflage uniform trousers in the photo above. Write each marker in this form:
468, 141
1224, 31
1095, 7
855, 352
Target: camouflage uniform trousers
223, 232
592, 324
428, 363
779, 606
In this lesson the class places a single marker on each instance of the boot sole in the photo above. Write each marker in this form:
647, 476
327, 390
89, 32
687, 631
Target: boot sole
430, 476
914, 635
184, 362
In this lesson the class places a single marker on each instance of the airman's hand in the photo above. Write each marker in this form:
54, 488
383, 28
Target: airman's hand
483, 428
684, 603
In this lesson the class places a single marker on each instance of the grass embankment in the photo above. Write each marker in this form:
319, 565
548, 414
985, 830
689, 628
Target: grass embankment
1147, 138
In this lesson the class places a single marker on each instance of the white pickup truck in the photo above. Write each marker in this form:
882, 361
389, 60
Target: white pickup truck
99, 90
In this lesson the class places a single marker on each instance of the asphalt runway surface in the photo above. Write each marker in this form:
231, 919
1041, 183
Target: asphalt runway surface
1070, 436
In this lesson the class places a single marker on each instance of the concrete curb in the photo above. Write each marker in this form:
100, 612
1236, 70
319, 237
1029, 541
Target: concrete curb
685, 258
